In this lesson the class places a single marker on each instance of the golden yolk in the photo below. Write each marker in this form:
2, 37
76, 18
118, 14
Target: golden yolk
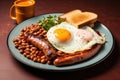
62, 35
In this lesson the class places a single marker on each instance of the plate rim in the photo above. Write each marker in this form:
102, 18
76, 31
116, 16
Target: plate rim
104, 26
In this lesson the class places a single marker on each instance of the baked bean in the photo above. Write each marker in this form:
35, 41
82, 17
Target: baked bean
48, 62
23, 47
30, 45
35, 33
19, 47
19, 42
34, 55
27, 46
21, 34
24, 29
16, 45
43, 33
39, 57
21, 51
43, 61
28, 50
43, 57
23, 44
33, 52
33, 48
23, 41
34, 59
24, 54
15, 40
28, 56
39, 60
36, 52
31, 56
59, 52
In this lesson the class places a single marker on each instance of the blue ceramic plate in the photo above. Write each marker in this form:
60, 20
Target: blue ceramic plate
102, 54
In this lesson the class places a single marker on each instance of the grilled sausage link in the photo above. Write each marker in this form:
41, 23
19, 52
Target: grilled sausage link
42, 44
77, 57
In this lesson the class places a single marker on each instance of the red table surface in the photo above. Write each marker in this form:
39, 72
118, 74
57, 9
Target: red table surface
109, 14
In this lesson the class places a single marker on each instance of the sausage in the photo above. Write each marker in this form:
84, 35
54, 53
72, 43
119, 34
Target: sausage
77, 57
42, 44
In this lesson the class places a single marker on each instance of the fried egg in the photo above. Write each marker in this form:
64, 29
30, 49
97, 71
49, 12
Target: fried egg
69, 39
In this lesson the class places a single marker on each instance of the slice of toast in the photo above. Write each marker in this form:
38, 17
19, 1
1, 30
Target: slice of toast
79, 18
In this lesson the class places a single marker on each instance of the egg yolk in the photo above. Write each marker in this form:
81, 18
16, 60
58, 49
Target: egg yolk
62, 35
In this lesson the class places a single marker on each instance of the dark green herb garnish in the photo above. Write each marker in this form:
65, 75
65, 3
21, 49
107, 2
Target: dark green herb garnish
49, 21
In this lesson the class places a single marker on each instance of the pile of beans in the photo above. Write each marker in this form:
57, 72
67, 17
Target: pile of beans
28, 50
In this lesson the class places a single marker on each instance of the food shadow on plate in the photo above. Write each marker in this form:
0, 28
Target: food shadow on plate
86, 73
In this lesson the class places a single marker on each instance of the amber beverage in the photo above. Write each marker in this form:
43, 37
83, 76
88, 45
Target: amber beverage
22, 10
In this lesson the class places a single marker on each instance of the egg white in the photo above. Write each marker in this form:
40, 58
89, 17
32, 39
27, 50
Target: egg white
97, 39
